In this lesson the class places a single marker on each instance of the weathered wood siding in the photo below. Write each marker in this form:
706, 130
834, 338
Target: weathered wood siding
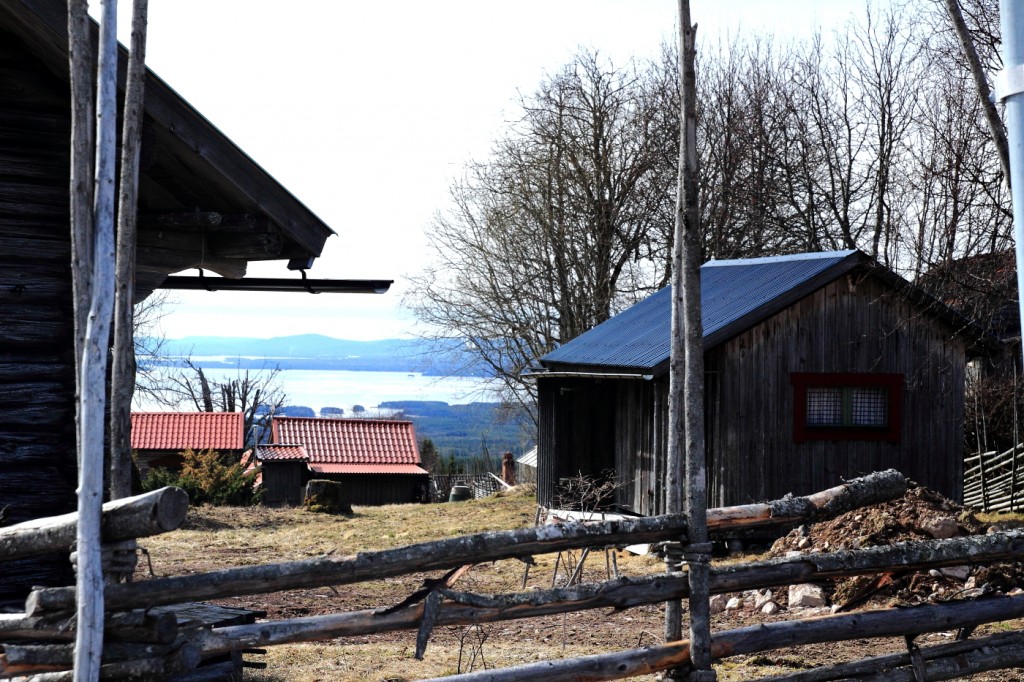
377, 489
855, 324
38, 469
284, 482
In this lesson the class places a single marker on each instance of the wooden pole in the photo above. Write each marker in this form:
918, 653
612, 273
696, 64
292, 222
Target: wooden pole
148, 514
122, 376
92, 400
764, 637
477, 548
943, 662
81, 187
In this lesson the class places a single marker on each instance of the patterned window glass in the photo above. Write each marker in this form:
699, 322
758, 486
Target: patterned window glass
869, 406
824, 406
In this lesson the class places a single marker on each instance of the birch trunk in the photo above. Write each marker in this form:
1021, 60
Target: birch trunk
92, 400
122, 377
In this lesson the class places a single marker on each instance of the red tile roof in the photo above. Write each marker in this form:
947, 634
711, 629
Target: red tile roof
182, 430
373, 442
278, 453
367, 469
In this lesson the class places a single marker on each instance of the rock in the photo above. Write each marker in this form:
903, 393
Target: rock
941, 527
717, 603
763, 598
957, 572
805, 596
734, 604
971, 583
770, 608
792, 553
735, 547
804, 543
934, 572
326, 497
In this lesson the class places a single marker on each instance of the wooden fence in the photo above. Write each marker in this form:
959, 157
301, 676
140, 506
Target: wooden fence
142, 643
994, 481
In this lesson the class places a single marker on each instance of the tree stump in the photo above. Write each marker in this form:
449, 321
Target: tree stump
327, 497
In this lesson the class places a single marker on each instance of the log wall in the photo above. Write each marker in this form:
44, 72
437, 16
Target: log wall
38, 467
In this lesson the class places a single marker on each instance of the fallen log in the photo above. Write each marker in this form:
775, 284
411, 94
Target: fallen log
463, 608
128, 626
478, 548
881, 623
943, 662
184, 658
152, 513
20, 659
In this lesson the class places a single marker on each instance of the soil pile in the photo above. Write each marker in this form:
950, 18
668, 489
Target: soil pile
921, 514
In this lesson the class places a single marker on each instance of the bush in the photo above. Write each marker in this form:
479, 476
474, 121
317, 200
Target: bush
209, 478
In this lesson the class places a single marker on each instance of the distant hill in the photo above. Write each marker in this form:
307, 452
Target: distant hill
464, 430
315, 351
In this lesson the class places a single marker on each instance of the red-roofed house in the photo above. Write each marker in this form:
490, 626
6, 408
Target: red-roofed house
159, 438
377, 459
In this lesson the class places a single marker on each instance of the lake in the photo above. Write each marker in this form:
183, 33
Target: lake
345, 388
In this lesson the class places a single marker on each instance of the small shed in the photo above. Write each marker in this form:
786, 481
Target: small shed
284, 473
818, 367
160, 438
377, 460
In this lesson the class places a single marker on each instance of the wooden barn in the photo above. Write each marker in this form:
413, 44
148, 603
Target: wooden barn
202, 203
377, 460
160, 438
819, 367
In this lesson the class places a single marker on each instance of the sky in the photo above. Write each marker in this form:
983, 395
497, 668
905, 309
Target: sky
366, 111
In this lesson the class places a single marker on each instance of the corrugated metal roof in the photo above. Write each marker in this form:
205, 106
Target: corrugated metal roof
183, 430
279, 453
367, 469
350, 441
733, 292
529, 458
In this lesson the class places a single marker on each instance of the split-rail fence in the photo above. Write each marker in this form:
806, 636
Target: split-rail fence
150, 643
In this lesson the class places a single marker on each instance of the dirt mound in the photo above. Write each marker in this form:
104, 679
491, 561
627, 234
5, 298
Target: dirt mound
921, 514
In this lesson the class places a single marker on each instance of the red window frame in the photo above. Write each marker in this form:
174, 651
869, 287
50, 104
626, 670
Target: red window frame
801, 381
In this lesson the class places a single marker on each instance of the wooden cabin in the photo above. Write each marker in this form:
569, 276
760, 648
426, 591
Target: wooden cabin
377, 460
818, 367
202, 203
160, 438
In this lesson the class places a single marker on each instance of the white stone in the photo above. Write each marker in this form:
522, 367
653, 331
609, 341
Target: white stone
762, 598
804, 543
734, 604
717, 603
941, 527
806, 596
792, 553
770, 608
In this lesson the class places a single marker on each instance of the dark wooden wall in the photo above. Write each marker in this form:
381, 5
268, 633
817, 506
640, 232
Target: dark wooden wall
38, 469
376, 489
283, 482
851, 325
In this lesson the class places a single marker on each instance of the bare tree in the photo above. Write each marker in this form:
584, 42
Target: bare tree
258, 395
560, 228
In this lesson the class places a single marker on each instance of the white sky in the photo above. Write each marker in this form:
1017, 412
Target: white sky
366, 110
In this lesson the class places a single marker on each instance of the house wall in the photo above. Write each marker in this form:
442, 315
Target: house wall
283, 482
376, 489
38, 468
854, 324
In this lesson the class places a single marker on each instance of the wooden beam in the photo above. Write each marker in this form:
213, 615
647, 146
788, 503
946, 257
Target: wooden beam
478, 548
763, 637
131, 517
